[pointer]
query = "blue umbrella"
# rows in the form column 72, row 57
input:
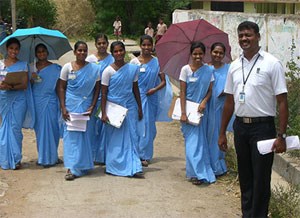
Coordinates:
column 56, row 42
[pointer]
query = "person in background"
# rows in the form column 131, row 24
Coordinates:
column 151, row 80
column 216, row 105
column 149, row 30
column 103, row 59
column 118, row 28
column 255, row 82
column 78, row 90
column 161, row 30
column 16, row 107
column 2, row 29
column 196, row 81
column 120, row 86
column 45, row 75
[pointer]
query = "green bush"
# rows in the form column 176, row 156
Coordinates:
column 285, row 202
column 293, row 84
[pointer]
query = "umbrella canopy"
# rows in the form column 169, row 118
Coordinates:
column 173, row 49
column 56, row 42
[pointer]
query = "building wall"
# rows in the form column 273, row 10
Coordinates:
column 277, row 31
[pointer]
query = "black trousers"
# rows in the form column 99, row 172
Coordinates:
column 254, row 169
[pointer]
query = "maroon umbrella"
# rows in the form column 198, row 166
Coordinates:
column 173, row 49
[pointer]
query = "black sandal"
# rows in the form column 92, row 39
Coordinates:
column 69, row 176
column 197, row 182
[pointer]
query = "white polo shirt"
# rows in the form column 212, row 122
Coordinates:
column 266, row 80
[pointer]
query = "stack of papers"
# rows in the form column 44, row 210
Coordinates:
column 115, row 113
column 77, row 122
column 192, row 113
column 265, row 146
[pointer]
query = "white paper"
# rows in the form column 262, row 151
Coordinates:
column 115, row 113
column 79, row 116
column 193, row 115
column 76, row 125
column 265, row 146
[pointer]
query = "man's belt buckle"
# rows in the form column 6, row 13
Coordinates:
column 247, row 120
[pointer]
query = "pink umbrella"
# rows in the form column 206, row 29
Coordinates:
column 173, row 49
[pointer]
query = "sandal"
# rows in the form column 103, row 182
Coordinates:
column 196, row 182
column 18, row 166
column 139, row 175
column 59, row 161
column 69, row 176
column 145, row 163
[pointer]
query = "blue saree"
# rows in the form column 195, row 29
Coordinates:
column 98, row 139
column 17, row 111
column 122, row 157
column 77, row 145
column 148, row 79
column 47, row 115
column 216, row 105
column 196, row 144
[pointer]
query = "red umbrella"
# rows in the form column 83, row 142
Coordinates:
column 173, row 49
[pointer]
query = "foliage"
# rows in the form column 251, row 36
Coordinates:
column 37, row 12
column 285, row 202
column 293, row 75
column 134, row 14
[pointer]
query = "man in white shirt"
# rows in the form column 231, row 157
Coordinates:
column 255, row 82
column 161, row 30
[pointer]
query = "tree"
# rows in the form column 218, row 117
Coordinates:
column 135, row 14
column 37, row 12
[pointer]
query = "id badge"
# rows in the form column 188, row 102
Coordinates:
column 142, row 69
column 242, row 97
column 193, row 79
column 72, row 75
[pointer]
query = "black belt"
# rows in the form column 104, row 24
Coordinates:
column 254, row 119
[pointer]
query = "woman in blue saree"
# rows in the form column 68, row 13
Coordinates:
column 103, row 59
column 196, row 86
column 151, row 80
column 78, row 90
column 216, row 104
column 16, row 104
column 44, row 78
column 120, row 86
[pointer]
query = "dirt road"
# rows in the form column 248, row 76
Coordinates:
column 35, row 191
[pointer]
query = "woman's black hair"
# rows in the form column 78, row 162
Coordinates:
column 101, row 36
column 197, row 45
column 13, row 41
column 213, row 46
column 79, row 43
column 116, row 43
column 144, row 37
column 40, row 45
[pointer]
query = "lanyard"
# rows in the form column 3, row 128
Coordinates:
column 244, row 81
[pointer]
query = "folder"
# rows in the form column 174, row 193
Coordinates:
column 265, row 146
column 194, row 117
column 77, row 122
column 115, row 113
column 15, row 78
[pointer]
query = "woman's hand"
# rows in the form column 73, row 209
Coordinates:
column 5, row 86
column 104, row 118
column 202, row 106
column 183, row 118
column 151, row 91
column 89, row 111
column 65, row 114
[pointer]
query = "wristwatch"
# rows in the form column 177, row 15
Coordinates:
column 282, row 135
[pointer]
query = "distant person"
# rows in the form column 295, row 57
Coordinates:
column 2, row 29
column 151, row 83
column 118, row 28
column 161, row 30
column 45, row 75
column 149, row 30
column 255, row 83
column 78, row 91
column 15, row 103
column 103, row 59
column 120, row 86
column 196, row 81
